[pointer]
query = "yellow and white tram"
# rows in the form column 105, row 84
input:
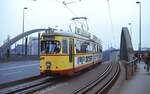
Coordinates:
column 65, row 53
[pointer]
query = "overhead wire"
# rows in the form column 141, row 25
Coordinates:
column 111, row 23
column 65, row 4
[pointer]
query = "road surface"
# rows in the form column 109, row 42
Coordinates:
column 12, row 71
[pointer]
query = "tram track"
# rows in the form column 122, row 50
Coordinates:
column 17, row 82
column 40, row 83
column 28, row 87
column 110, row 82
column 67, row 86
column 102, row 83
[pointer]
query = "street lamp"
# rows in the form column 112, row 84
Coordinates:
column 138, row 2
column 23, row 28
column 130, row 24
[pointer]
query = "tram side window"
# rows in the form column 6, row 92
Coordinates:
column 89, row 47
column 78, row 46
column 100, row 49
column 97, row 48
column 94, row 47
column 64, row 47
column 83, row 46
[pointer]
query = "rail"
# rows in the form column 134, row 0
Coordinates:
column 28, row 87
column 102, row 84
column 110, row 82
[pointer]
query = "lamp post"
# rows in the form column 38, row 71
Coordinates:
column 130, row 24
column 23, row 28
column 138, row 2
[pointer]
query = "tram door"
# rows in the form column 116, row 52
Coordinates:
column 71, row 51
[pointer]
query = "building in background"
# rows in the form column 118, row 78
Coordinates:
column 33, row 46
column 18, row 49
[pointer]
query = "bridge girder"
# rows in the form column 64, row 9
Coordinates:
column 6, row 45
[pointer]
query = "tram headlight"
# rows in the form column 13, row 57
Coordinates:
column 48, row 64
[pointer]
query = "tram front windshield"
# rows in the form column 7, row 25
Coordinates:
column 50, row 47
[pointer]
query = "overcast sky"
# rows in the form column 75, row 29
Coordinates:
column 49, row 13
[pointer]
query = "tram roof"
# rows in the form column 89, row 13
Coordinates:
column 67, row 34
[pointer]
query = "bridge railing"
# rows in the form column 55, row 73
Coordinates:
column 130, row 68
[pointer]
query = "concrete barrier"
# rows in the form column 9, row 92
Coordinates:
column 19, row 58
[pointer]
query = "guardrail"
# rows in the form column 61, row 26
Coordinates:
column 130, row 68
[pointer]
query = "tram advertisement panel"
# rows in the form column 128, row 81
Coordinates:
column 84, row 59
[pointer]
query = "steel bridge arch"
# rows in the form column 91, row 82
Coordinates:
column 6, row 45
column 126, row 48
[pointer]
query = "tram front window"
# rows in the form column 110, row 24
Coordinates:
column 50, row 47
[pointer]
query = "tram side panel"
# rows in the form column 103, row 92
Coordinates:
column 88, row 58
column 72, row 57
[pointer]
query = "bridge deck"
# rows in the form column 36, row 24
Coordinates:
column 139, row 84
